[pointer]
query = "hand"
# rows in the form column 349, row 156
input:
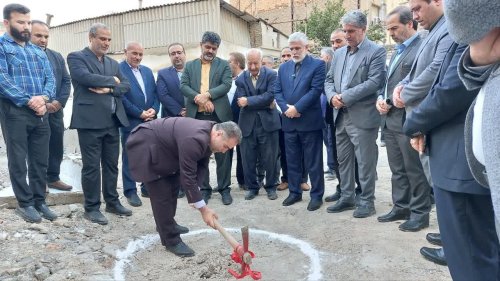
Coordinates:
column 51, row 108
column 292, row 112
column 336, row 101
column 117, row 80
column 144, row 115
column 100, row 91
column 242, row 102
column 209, row 106
column 382, row 107
column 201, row 99
column 40, row 111
column 487, row 50
column 396, row 97
column 418, row 143
column 209, row 216
column 183, row 112
column 273, row 105
column 57, row 105
column 36, row 102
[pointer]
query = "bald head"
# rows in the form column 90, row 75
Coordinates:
column 254, row 61
column 134, row 53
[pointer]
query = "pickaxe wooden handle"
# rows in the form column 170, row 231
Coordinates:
column 246, row 257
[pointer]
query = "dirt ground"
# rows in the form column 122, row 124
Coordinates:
column 290, row 243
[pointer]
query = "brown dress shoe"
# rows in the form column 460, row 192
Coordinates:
column 282, row 186
column 304, row 186
column 59, row 185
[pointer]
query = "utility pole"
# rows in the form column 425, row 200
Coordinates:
column 291, row 15
column 140, row 4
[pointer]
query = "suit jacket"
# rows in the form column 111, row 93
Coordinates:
column 169, row 92
column 394, row 119
column 91, row 110
column 427, row 62
column 303, row 91
column 168, row 147
column 62, row 78
column 441, row 116
column 364, row 83
column 219, row 84
column 259, row 99
column 133, row 100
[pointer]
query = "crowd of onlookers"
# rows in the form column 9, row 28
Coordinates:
column 439, row 84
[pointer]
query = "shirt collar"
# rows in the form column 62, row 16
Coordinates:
column 11, row 40
column 401, row 47
column 360, row 45
column 134, row 69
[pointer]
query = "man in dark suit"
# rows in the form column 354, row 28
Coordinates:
column 237, row 65
column 170, row 152
column 416, row 85
column 407, row 172
column 298, row 89
column 259, row 122
column 141, row 105
column 464, row 207
column 355, row 77
column 97, row 113
column 205, row 84
column 168, row 83
column 40, row 37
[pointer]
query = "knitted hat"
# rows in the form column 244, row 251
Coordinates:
column 471, row 20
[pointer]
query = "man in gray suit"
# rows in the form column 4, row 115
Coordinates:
column 407, row 172
column 356, row 76
column 416, row 85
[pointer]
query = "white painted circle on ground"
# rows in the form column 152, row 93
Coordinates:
column 123, row 256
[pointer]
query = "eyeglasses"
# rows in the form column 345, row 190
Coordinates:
column 286, row 56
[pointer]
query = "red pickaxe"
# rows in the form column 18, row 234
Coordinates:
column 241, row 254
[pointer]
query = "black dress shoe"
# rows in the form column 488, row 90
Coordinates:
column 364, row 211
column 206, row 196
column 144, row 193
column 96, row 217
column 45, row 212
column 340, row 206
column 271, row 194
column 414, row 225
column 291, row 199
column 434, row 238
column 434, row 255
column 29, row 214
column 314, row 204
column 134, row 200
column 181, row 250
column 181, row 229
column 394, row 215
column 181, row 193
column 251, row 194
column 118, row 209
column 227, row 199
column 332, row 198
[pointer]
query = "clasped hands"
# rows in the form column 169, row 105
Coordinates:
column 38, row 105
column 336, row 101
column 148, row 115
column 292, row 112
column 204, row 101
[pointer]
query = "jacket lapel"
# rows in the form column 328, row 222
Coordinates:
column 298, row 76
column 260, row 80
column 360, row 56
column 339, row 67
column 174, row 75
column 97, row 65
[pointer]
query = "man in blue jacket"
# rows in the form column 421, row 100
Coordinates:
column 141, row 105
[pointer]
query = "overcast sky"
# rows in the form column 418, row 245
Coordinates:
column 70, row 10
